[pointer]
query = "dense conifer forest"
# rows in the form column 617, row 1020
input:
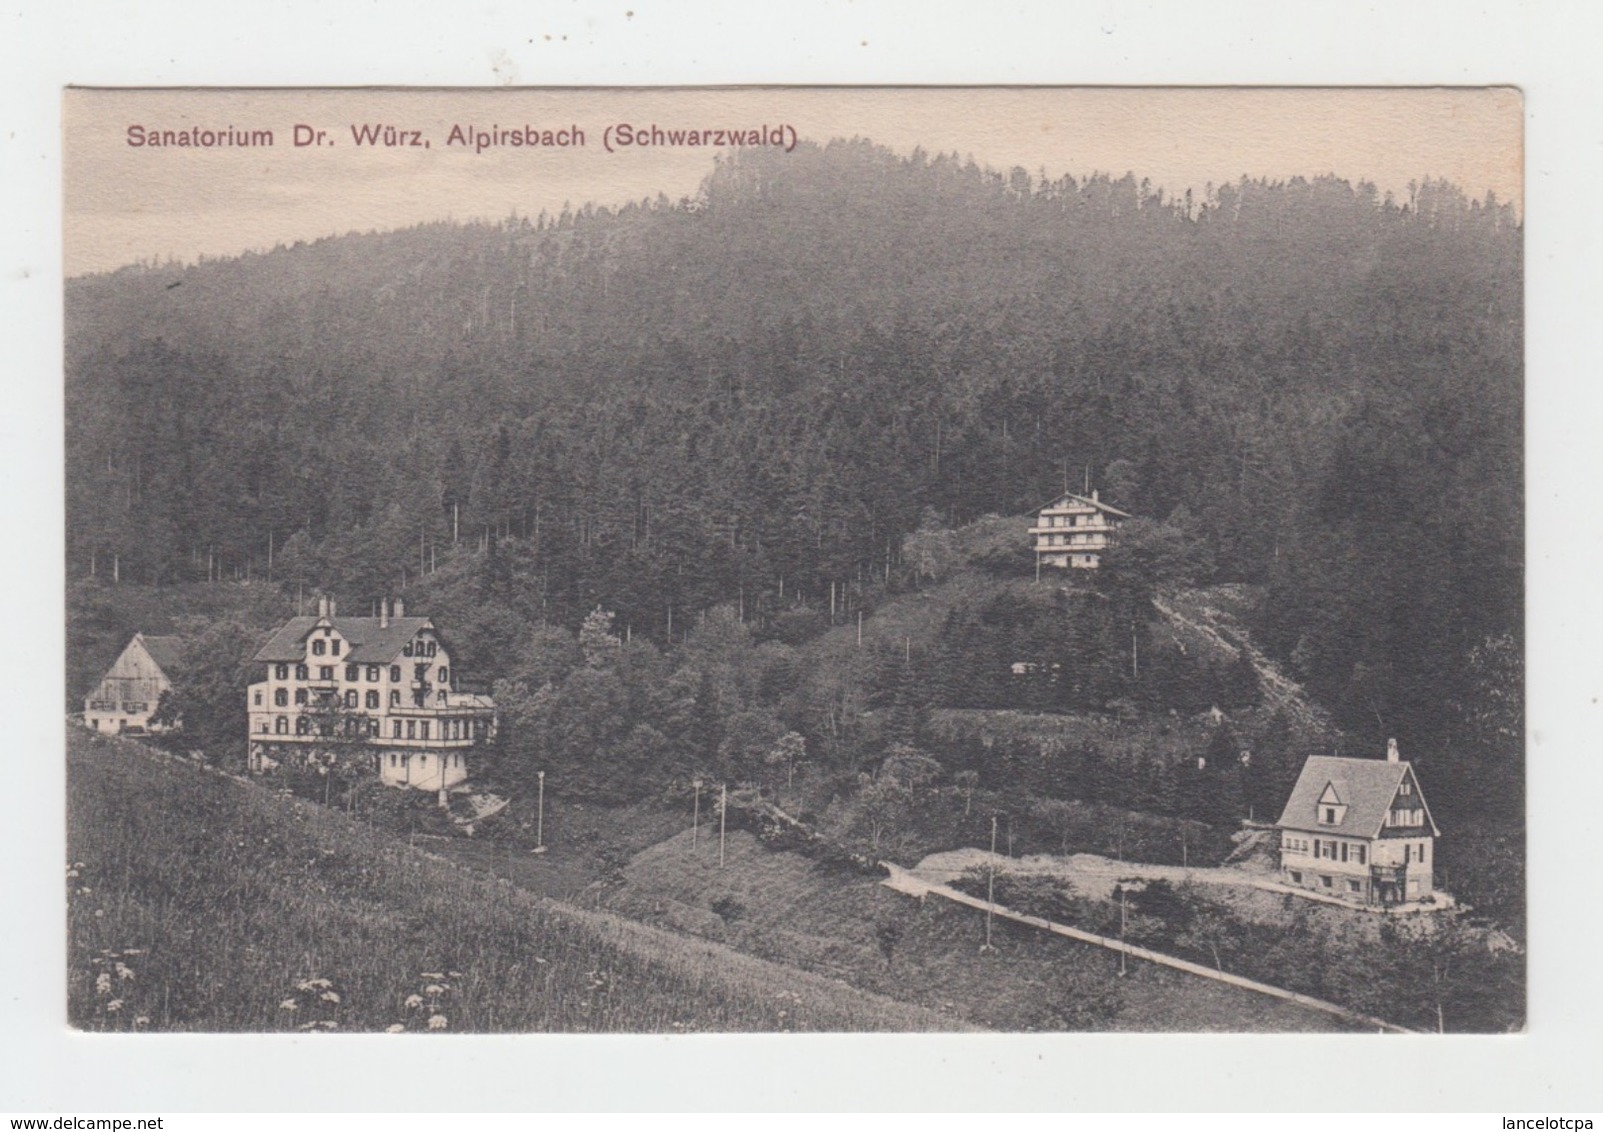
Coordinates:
column 737, row 421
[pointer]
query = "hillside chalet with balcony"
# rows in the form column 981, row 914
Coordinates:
column 380, row 688
column 1359, row 830
column 1073, row 531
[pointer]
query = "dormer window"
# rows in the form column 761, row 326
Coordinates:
column 1331, row 808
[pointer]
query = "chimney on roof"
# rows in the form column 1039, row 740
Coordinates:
column 1093, row 494
column 400, row 608
column 1391, row 751
column 322, row 607
column 384, row 613
column 331, row 607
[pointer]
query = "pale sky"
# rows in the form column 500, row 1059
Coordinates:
column 124, row 204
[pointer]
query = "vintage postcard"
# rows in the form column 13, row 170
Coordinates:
column 659, row 561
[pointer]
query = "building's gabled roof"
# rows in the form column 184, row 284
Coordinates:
column 1366, row 786
column 167, row 652
column 371, row 640
column 1059, row 499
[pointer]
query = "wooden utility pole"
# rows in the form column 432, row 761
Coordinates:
column 990, row 889
column 723, row 813
column 1122, row 948
column 539, row 814
column 695, row 815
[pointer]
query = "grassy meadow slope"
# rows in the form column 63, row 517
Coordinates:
column 782, row 905
column 198, row 903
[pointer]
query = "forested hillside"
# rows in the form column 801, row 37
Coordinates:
column 752, row 398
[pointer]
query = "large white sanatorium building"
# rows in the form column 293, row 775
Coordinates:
column 380, row 687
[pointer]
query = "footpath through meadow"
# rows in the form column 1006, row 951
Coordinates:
column 911, row 883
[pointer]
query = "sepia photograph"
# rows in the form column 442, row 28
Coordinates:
column 795, row 559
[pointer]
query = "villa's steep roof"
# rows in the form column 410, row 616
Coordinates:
column 371, row 639
column 1365, row 786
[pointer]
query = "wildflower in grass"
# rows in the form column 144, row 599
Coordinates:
column 434, row 990
column 432, row 975
column 124, row 972
column 413, row 1001
column 438, row 1022
column 100, row 913
column 102, row 983
column 142, row 1020
column 72, row 873
column 113, row 1006
column 395, row 1029
column 317, row 1001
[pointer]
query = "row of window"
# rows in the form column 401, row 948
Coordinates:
column 353, row 699
column 399, row 729
column 131, row 706
column 447, row 761
column 1329, row 850
column 1345, row 851
column 1071, row 521
column 1356, row 887
column 1405, row 817
column 331, row 647
column 353, row 672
